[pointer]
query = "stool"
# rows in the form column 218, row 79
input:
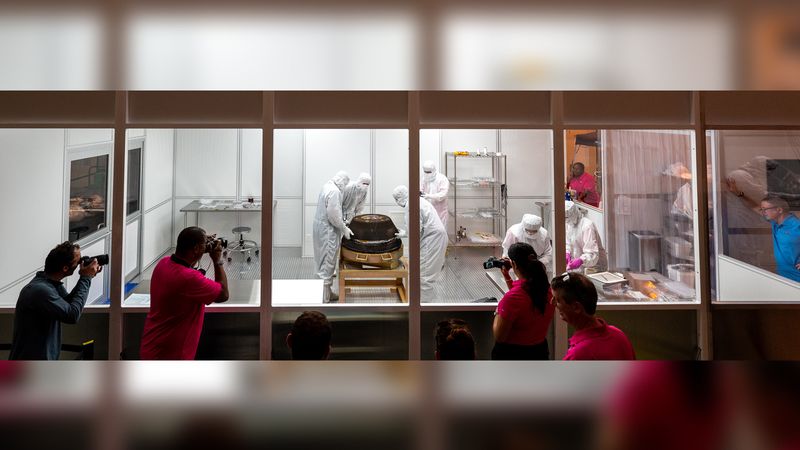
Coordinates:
column 242, row 245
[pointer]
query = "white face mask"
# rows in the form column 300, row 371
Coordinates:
column 430, row 176
column 531, row 233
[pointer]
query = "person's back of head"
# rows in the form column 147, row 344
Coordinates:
column 60, row 257
column 574, row 288
column 454, row 341
column 536, row 283
column 189, row 238
column 310, row 337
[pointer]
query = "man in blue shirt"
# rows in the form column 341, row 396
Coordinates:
column 785, row 236
column 44, row 304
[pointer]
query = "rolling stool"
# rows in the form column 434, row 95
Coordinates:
column 242, row 245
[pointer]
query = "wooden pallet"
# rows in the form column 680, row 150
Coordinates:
column 351, row 276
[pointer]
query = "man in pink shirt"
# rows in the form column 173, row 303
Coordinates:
column 583, row 186
column 575, row 298
column 179, row 294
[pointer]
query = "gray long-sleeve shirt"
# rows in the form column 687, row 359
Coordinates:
column 42, row 305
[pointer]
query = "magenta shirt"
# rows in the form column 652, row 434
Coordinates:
column 585, row 184
column 528, row 325
column 178, row 298
column 603, row 342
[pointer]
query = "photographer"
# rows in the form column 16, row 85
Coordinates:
column 524, row 313
column 44, row 304
column 179, row 294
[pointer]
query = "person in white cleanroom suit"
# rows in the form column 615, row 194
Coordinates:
column 434, row 187
column 329, row 227
column 354, row 197
column 432, row 241
column 530, row 231
column 584, row 248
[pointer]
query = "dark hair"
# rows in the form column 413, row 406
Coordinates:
column 454, row 340
column 579, row 164
column 311, row 336
column 536, row 283
column 60, row 256
column 574, row 287
column 189, row 238
column 776, row 201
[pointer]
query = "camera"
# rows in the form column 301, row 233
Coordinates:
column 496, row 263
column 102, row 260
column 211, row 242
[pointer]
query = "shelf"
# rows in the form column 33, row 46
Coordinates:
column 475, row 183
column 475, row 240
column 478, row 215
column 476, row 156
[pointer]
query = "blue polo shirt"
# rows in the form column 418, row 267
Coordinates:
column 786, row 245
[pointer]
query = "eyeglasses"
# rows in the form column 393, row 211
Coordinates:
column 767, row 209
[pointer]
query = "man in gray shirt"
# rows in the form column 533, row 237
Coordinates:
column 44, row 303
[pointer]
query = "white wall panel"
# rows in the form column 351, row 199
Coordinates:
column 329, row 151
column 135, row 133
column 470, row 140
column 742, row 282
column 429, row 148
column 287, row 230
column 391, row 163
column 98, row 288
column 131, row 247
column 156, row 233
column 32, row 184
column 288, row 163
column 83, row 136
column 158, row 163
column 11, row 294
column 251, row 163
column 206, row 163
column 529, row 161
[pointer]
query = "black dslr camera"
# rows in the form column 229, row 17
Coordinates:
column 496, row 263
column 102, row 260
column 211, row 242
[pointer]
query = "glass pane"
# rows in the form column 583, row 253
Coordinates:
column 354, row 336
column 62, row 170
column 206, row 178
column 480, row 186
column 755, row 177
column 640, row 247
column 326, row 182
column 585, row 167
column 134, row 180
column 88, row 189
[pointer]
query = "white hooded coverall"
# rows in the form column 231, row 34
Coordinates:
column 432, row 242
column 354, row 197
column 540, row 241
column 434, row 187
column 329, row 227
column 583, row 239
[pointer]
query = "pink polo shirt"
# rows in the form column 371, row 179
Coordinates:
column 603, row 342
column 585, row 184
column 178, row 299
column 528, row 325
